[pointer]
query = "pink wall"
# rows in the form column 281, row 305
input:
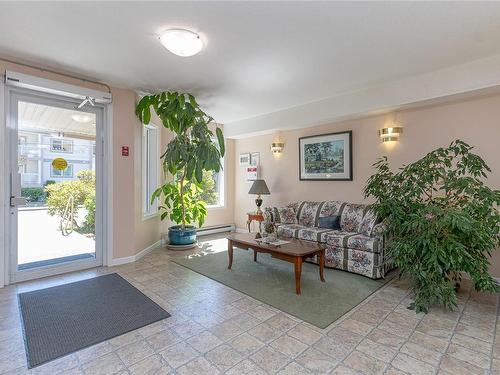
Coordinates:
column 131, row 234
column 474, row 121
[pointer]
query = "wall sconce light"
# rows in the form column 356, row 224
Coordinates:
column 277, row 147
column 390, row 134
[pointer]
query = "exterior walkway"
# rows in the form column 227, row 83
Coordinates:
column 40, row 238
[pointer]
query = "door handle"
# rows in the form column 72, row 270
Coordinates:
column 18, row 201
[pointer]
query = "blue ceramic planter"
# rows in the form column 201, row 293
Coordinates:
column 179, row 236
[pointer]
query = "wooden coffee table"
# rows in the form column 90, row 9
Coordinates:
column 295, row 251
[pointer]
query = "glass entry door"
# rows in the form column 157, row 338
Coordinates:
column 55, row 173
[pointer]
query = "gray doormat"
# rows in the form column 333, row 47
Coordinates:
column 66, row 318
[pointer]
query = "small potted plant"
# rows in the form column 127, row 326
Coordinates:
column 192, row 151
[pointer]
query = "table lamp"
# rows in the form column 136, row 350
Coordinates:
column 259, row 188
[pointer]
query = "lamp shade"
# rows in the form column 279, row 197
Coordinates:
column 259, row 187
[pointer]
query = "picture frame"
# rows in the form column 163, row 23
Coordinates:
column 245, row 159
column 326, row 157
column 255, row 158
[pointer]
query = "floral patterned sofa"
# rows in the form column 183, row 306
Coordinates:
column 358, row 246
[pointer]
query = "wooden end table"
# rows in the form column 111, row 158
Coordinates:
column 295, row 251
column 254, row 216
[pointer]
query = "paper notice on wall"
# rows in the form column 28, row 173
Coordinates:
column 252, row 173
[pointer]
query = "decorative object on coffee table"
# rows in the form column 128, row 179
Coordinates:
column 269, row 228
column 259, row 188
column 293, row 251
column 254, row 216
column 326, row 157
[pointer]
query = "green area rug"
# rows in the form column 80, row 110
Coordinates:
column 272, row 281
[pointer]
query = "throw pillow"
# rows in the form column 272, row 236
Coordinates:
column 268, row 214
column 368, row 223
column 330, row 222
column 284, row 215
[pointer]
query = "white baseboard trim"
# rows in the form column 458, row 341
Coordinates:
column 147, row 250
column 139, row 255
column 216, row 229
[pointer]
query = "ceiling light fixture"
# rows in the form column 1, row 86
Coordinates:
column 181, row 42
column 80, row 117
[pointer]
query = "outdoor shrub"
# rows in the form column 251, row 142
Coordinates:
column 442, row 221
column 208, row 194
column 81, row 190
column 89, row 204
column 33, row 194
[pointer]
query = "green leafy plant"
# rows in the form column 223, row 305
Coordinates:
column 81, row 190
column 33, row 194
column 442, row 221
column 188, row 154
column 208, row 194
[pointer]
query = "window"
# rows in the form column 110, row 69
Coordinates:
column 213, row 182
column 65, row 173
column 149, row 168
column 61, row 145
column 213, row 192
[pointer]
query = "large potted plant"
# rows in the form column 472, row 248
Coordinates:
column 442, row 222
column 191, row 151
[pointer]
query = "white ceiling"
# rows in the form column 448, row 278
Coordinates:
column 260, row 57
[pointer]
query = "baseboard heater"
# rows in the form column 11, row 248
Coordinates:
column 216, row 229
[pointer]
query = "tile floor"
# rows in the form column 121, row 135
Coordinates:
column 217, row 330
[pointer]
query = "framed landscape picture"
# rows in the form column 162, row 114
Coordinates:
column 326, row 157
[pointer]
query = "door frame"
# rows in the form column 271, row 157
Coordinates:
column 103, row 195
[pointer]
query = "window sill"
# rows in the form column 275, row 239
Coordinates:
column 149, row 216
column 216, row 207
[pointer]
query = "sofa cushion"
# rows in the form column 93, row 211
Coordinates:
column 379, row 229
column 338, row 238
column 351, row 240
column 268, row 214
column 289, row 230
column 313, row 234
column 357, row 261
column 294, row 206
column 284, row 215
column 331, row 208
column 352, row 216
column 365, row 243
column 308, row 213
column 368, row 222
